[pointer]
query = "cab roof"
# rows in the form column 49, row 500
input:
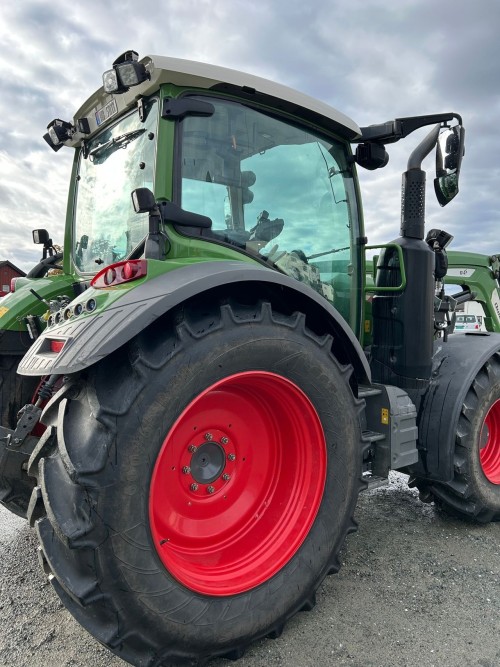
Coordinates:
column 188, row 73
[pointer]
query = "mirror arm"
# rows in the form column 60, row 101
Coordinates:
column 397, row 129
column 423, row 149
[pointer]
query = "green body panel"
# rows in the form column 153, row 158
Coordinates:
column 17, row 305
column 163, row 189
column 106, row 297
column 185, row 249
column 68, row 264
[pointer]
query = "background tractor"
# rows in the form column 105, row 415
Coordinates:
column 24, row 310
column 469, row 287
column 477, row 277
column 217, row 406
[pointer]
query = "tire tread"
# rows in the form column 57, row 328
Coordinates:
column 70, row 475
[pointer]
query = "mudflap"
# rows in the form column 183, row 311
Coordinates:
column 455, row 365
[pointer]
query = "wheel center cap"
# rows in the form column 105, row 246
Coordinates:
column 207, row 463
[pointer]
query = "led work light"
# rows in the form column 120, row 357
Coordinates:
column 59, row 131
column 126, row 72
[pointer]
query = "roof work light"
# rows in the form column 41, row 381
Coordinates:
column 126, row 72
column 59, row 131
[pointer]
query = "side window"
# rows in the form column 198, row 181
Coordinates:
column 275, row 190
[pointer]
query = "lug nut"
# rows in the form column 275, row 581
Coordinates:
column 208, row 436
column 186, row 470
column 210, row 489
column 224, row 440
column 226, row 477
column 231, row 457
column 194, row 486
column 192, row 448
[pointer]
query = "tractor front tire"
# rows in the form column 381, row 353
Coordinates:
column 474, row 492
column 196, row 487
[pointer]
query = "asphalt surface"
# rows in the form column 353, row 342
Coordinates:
column 416, row 588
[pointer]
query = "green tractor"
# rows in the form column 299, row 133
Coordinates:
column 49, row 285
column 215, row 411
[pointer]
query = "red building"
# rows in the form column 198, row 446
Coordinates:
column 7, row 272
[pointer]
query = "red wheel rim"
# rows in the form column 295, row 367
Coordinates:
column 489, row 443
column 238, row 483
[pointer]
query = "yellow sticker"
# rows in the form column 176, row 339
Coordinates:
column 384, row 416
column 368, row 326
column 3, row 310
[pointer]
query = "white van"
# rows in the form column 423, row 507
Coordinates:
column 466, row 323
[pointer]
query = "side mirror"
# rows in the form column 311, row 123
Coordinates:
column 143, row 200
column 449, row 153
column 41, row 236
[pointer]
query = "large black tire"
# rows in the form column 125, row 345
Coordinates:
column 99, row 474
column 474, row 492
column 15, row 391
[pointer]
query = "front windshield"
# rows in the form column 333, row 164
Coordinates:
column 119, row 160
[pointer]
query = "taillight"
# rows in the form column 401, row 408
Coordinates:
column 13, row 282
column 121, row 272
column 56, row 345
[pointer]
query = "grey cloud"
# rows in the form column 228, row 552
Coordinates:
column 372, row 59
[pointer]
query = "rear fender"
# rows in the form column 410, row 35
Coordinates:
column 92, row 338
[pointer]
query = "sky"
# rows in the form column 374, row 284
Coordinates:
column 374, row 60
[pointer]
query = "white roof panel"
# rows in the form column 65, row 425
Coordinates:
column 202, row 75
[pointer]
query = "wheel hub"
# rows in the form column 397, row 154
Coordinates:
column 207, row 463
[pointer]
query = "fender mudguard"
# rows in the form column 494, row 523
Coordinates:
column 91, row 338
column 455, row 365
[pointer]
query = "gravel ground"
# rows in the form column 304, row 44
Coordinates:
column 416, row 587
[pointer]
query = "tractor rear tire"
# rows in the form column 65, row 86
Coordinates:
column 15, row 392
column 474, row 492
column 196, row 487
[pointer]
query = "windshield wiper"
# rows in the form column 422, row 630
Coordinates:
column 100, row 153
column 327, row 252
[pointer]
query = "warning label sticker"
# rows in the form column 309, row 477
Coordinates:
column 464, row 273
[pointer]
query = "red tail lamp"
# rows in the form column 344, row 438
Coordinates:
column 121, row 272
column 56, row 345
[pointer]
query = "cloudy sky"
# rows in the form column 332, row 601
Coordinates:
column 372, row 59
